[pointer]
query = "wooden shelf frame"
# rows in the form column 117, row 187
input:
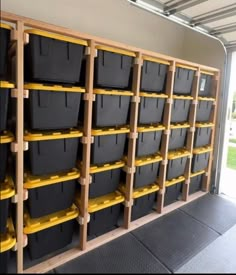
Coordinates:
column 20, row 23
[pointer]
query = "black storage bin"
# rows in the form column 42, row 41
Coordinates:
column 173, row 193
column 5, row 139
column 205, row 86
column 200, row 159
column 7, row 191
column 4, row 99
column 113, row 68
column 178, row 136
column 50, row 194
column 109, row 145
column 176, row 164
column 51, row 153
column 5, row 31
column 147, row 170
column 195, row 183
column 153, row 76
column 183, row 81
column 151, row 108
column 149, row 140
column 52, row 107
column 144, row 199
column 49, row 233
column 105, row 179
column 53, row 58
column 104, row 213
column 180, row 109
column 111, row 108
column 7, row 242
column 204, row 108
column 202, row 136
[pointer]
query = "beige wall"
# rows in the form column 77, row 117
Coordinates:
column 202, row 49
column 113, row 19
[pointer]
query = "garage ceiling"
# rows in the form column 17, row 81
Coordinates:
column 214, row 17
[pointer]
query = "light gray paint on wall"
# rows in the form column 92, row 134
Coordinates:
column 112, row 19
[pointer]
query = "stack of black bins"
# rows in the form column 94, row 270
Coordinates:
column 53, row 72
column 204, row 125
column 177, row 153
column 150, row 129
column 112, row 89
column 7, row 190
column 7, row 236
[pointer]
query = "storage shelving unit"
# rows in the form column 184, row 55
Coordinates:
column 20, row 145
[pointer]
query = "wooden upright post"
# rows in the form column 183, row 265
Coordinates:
column 190, row 136
column 86, row 140
column 132, row 140
column 165, row 136
column 19, row 140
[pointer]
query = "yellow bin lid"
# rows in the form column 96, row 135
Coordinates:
column 197, row 173
column 8, row 239
column 5, row 26
column 57, row 36
column 174, row 181
column 112, row 92
column 204, row 125
column 53, row 88
column 115, row 50
column 39, row 136
column 178, row 154
column 202, row 150
column 110, row 131
column 35, row 225
column 6, row 137
column 6, row 84
column 141, row 191
column 148, row 160
column 7, row 189
column 155, row 95
column 151, row 128
column 106, row 167
column 31, row 182
column 102, row 202
column 179, row 126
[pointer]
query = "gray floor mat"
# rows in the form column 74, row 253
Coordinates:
column 218, row 257
column 214, row 211
column 175, row 238
column 123, row 255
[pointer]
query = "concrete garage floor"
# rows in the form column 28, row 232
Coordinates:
column 198, row 238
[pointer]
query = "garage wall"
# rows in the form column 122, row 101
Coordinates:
column 112, row 19
column 202, row 49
